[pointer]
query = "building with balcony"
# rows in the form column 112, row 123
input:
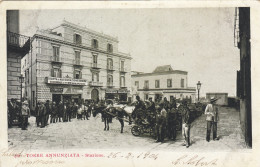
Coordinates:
column 17, row 47
column 73, row 62
column 163, row 82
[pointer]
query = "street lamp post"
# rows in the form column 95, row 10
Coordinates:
column 198, row 87
column 21, row 80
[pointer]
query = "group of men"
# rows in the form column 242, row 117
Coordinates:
column 19, row 112
column 166, row 118
column 61, row 112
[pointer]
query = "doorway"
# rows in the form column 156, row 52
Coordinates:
column 94, row 95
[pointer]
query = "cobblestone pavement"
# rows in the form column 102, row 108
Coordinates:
column 84, row 134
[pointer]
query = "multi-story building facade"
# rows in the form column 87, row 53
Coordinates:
column 17, row 47
column 163, row 82
column 73, row 62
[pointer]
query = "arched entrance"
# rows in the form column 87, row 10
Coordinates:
column 94, row 95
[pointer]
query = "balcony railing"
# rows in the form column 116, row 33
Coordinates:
column 110, row 84
column 96, row 83
column 77, row 62
column 17, row 39
column 56, row 59
column 110, row 68
column 122, row 69
column 95, row 65
column 146, row 87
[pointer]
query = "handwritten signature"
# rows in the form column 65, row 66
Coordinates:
column 194, row 161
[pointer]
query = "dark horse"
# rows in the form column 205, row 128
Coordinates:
column 108, row 114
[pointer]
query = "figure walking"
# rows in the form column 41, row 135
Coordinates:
column 212, row 118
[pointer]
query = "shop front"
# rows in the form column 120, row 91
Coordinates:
column 66, row 89
column 120, row 94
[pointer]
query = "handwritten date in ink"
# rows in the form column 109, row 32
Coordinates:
column 131, row 155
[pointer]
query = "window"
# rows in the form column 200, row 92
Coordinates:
column 77, row 74
column 77, row 39
column 146, row 84
column 94, row 43
column 110, row 80
column 169, row 83
column 146, row 96
column 110, row 48
column 56, row 53
column 28, row 78
column 157, row 83
column 77, row 57
column 137, row 84
column 122, row 81
column 122, row 67
column 95, row 77
column 182, row 83
column 109, row 64
column 56, row 72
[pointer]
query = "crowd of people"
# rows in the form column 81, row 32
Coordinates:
column 48, row 112
column 164, row 113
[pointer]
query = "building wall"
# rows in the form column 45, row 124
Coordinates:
column 175, row 91
column 43, row 52
column 13, row 73
column 176, row 80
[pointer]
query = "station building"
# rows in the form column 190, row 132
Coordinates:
column 73, row 62
column 163, row 82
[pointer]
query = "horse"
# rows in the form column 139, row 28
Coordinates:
column 108, row 113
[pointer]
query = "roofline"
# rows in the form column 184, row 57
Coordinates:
column 80, row 28
column 160, row 73
column 79, row 46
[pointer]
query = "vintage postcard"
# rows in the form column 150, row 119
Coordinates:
column 129, row 84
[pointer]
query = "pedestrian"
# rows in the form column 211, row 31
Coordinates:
column 161, row 123
column 212, row 118
column 171, row 123
column 54, row 111
column 65, row 114
column 48, row 111
column 25, row 113
column 60, row 111
column 37, row 114
column 69, row 111
column 75, row 109
column 79, row 112
column 42, row 113
column 186, row 123
column 12, row 107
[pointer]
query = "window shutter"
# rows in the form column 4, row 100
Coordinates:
column 60, row 73
column 52, row 72
column 74, row 74
column 80, row 75
column 97, row 77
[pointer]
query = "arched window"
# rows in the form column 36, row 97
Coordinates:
column 122, row 81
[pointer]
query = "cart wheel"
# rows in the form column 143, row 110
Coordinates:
column 136, row 131
column 178, row 125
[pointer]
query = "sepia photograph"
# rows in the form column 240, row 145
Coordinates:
column 154, row 80
column 169, row 79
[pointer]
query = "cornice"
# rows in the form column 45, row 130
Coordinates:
column 79, row 46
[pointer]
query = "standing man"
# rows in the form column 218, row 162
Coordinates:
column 38, row 114
column 12, row 110
column 161, row 123
column 54, row 111
column 186, row 121
column 171, row 123
column 212, row 118
column 48, row 111
column 60, row 111
column 139, row 107
column 42, row 112
column 25, row 114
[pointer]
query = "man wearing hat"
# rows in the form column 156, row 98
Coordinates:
column 212, row 118
column 25, row 114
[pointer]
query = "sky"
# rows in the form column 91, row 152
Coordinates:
column 197, row 40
